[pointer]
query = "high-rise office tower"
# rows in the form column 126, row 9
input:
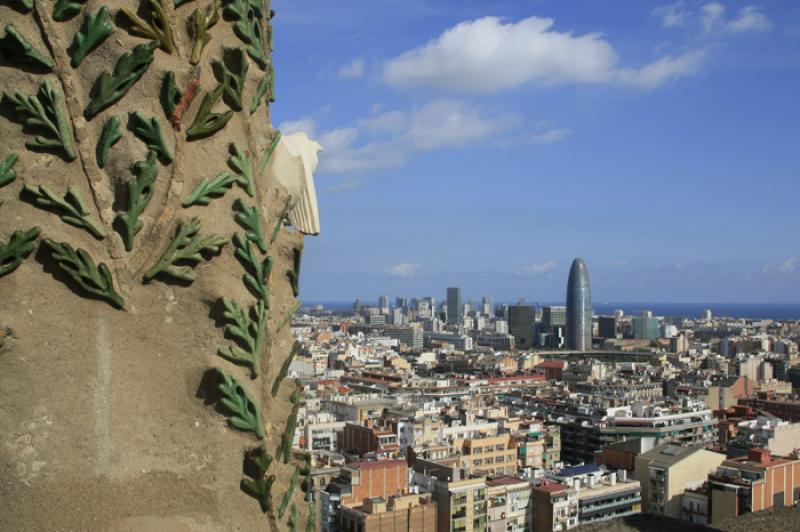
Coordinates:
column 455, row 309
column 383, row 304
column 521, row 319
column 487, row 306
column 579, row 308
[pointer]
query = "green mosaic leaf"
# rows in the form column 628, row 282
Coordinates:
column 19, row 246
column 7, row 173
column 249, row 329
column 199, row 24
column 95, row 279
column 149, row 132
column 187, row 246
column 71, row 208
column 285, row 448
column 259, row 486
column 207, row 190
column 66, row 9
column 276, row 384
column 262, row 165
column 311, row 522
column 94, row 31
column 257, row 272
column 287, row 495
column 250, row 220
column 206, row 122
column 140, row 192
column 294, row 273
column 110, row 87
column 246, row 412
column 23, row 6
column 243, row 166
column 265, row 87
column 170, row 94
column 17, row 48
column 179, row 3
column 292, row 521
column 232, row 80
column 248, row 28
column 109, row 136
column 158, row 29
column 45, row 111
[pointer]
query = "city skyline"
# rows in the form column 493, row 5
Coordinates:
column 673, row 147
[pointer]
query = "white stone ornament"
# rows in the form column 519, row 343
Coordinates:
column 293, row 164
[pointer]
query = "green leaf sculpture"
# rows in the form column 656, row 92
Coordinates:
column 243, row 166
column 287, row 317
column 246, row 412
column 71, row 208
column 249, row 329
column 7, row 173
column 256, row 276
column 149, row 131
column 206, row 122
column 170, row 94
column 282, row 218
column 23, row 6
column 94, row 31
column 110, row 87
column 250, row 220
column 287, row 438
column 66, row 9
column 207, row 190
column 17, row 48
column 294, row 273
column 276, row 384
column 140, row 192
column 45, row 110
column 179, row 3
column 266, row 85
column 259, row 486
column 232, row 80
column 199, row 24
column 19, row 246
column 108, row 137
column 158, row 30
column 287, row 495
column 95, row 279
column 276, row 138
column 248, row 28
column 292, row 521
column 187, row 246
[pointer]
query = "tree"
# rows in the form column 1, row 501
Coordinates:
column 149, row 267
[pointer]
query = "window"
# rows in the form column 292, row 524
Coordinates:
column 477, row 450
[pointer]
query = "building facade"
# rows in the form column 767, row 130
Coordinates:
column 579, row 307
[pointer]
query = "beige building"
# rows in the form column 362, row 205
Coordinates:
column 462, row 503
column 668, row 470
column 509, row 501
column 780, row 437
column 402, row 513
column 492, row 455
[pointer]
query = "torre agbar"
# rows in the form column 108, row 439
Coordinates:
column 579, row 307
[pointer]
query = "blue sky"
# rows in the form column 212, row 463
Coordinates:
column 487, row 144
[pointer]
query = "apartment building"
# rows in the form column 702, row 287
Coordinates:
column 753, row 483
column 493, row 455
column 509, row 504
column 554, row 507
column 401, row 513
column 601, row 494
column 668, row 470
column 462, row 503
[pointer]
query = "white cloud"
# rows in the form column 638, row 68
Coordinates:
column 405, row 269
column 672, row 15
column 549, row 137
column 666, row 69
column 352, row 70
column 786, row 267
column 387, row 139
column 347, row 185
column 306, row 125
column 750, row 19
column 490, row 54
column 711, row 14
column 540, row 268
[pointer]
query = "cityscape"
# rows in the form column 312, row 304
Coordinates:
column 454, row 415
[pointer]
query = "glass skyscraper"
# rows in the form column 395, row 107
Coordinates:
column 579, row 308
column 455, row 309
